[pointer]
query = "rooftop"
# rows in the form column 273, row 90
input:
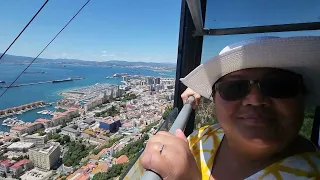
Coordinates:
column 82, row 176
column 87, row 131
column 63, row 114
column 18, row 128
column 32, row 124
column 21, row 145
column 41, row 120
column 122, row 159
column 102, row 167
column 35, row 174
column 127, row 124
column 6, row 162
column 20, row 163
column 69, row 129
column 48, row 149
column 22, row 127
column 89, row 121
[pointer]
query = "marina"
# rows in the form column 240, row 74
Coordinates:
column 45, row 112
column 12, row 122
column 23, row 108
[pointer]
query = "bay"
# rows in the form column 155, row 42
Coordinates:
column 49, row 92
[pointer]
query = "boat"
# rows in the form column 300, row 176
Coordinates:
column 62, row 80
column 4, row 123
column 39, row 112
column 120, row 74
column 45, row 112
column 12, row 121
column 2, row 82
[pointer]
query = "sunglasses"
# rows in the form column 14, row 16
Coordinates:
column 280, row 88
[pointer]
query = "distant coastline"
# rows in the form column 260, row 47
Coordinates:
column 22, row 60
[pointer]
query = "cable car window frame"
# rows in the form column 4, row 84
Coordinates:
column 190, row 50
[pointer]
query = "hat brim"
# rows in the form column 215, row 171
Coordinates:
column 297, row 54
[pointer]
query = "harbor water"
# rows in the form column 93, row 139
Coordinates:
column 50, row 92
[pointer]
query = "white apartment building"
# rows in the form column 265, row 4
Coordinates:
column 46, row 157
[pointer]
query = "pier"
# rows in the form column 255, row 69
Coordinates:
column 43, row 82
column 23, row 108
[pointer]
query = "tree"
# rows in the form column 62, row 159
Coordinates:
column 15, row 139
column 18, row 158
column 131, row 149
column 109, row 144
column 306, row 128
column 150, row 126
column 3, row 175
column 65, row 139
column 166, row 112
column 75, row 153
column 114, row 171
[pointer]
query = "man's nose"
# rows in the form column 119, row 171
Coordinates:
column 255, row 97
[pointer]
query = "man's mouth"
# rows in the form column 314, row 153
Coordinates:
column 254, row 119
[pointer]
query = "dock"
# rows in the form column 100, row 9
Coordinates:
column 23, row 108
column 43, row 82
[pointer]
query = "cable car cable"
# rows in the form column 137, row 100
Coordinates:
column 24, row 29
column 44, row 48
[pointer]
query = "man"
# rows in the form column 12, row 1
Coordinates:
column 260, row 88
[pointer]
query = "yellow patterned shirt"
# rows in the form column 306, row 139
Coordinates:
column 205, row 142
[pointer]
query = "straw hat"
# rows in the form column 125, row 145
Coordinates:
column 297, row 54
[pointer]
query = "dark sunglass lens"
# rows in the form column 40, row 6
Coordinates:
column 233, row 90
column 280, row 87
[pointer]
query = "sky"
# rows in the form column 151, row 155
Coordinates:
column 132, row 30
column 235, row 13
column 137, row 30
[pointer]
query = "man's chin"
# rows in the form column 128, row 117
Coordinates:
column 258, row 143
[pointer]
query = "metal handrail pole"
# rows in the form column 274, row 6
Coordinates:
column 179, row 123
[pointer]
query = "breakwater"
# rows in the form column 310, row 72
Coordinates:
column 42, row 82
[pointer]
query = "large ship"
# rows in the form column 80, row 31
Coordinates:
column 62, row 80
column 2, row 81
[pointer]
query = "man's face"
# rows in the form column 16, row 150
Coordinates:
column 254, row 118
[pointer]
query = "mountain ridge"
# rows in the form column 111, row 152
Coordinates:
column 14, row 59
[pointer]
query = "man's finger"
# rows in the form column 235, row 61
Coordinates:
column 158, row 162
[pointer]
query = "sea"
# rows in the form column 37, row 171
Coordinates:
column 50, row 92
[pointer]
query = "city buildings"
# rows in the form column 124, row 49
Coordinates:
column 110, row 124
column 36, row 174
column 19, row 167
column 153, row 95
column 20, row 146
column 13, row 168
column 5, row 165
column 37, row 140
column 27, row 128
column 46, row 122
column 122, row 159
column 69, row 131
column 46, row 157
column 60, row 118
